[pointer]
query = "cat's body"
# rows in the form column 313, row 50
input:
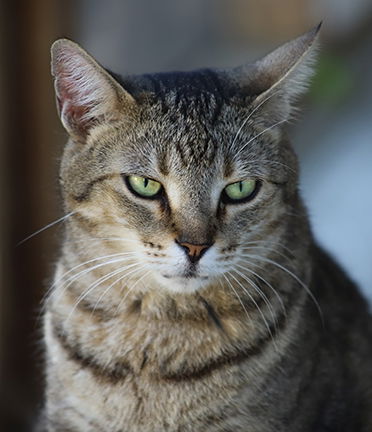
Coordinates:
column 191, row 309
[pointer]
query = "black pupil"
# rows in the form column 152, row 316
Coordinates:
column 146, row 182
column 240, row 186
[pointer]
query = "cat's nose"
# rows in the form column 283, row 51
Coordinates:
column 194, row 251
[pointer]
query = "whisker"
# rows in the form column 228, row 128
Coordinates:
column 259, row 134
column 76, row 276
column 61, row 219
column 295, row 277
column 237, row 295
column 95, row 285
column 250, row 116
column 132, row 287
column 90, row 261
column 270, row 162
column 270, row 242
column 261, row 294
column 258, row 308
column 248, row 248
column 71, row 279
column 254, row 247
column 56, row 282
column 268, row 284
column 114, row 283
column 98, row 239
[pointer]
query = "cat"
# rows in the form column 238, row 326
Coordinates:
column 190, row 294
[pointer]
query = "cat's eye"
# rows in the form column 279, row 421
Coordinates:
column 143, row 186
column 241, row 191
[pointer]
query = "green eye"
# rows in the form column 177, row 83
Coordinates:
column 143, row 186
column 240, row 190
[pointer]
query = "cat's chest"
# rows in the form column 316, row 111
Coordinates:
column 152, row 380
column 141, row 402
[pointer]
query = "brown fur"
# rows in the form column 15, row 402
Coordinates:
column 261, row 333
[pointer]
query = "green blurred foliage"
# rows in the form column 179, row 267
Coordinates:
column 333, row 82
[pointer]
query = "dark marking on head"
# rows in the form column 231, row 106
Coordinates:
column 163, row 166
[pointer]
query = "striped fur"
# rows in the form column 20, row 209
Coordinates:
column 265, row 332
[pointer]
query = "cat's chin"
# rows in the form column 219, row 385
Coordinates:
column 182, row 284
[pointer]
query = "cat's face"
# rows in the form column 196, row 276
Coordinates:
column 203, row 189
column 186, row 178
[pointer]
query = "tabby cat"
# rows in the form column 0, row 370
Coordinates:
column 190, row 294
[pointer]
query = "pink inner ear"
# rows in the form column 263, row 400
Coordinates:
column 76, row 118
column 73, row 103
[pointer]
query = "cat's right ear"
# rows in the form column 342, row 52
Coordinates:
column 86, row 93
column 280, row 77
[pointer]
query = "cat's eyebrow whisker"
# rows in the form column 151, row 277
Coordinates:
column 57, row 221
column 255, row 161
column 267, row 283
column 260, row 292
column 259, row 134
column 295, row 277
column 245, row 121
column 255, row 303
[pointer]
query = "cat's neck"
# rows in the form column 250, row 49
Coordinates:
column 154, row 328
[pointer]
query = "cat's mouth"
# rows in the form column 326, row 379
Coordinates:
column 185, row 282
column 186, row 275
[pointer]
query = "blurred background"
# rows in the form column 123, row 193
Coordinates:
column 333, row 135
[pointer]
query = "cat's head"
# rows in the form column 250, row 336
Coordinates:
column 189, row 172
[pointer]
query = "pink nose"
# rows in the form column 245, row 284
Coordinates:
column 194, row 252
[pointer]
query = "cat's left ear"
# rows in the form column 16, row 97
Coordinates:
column 87, row 95
column 277, row 79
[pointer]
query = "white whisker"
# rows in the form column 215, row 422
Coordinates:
column 269, row 161
column 295, row 277
column 250, row 116
column 258, row 308
column 259, row 134
column 70, row 280
column 99, row 239
column 237, row 295
column 95, row 285
column 63, row 218
column 269, row 242
column 260, row 292
column 90, row 261
column 60, row 279
column 115, row 282
column 132, row 287
column 267, row 283
column 248, row 248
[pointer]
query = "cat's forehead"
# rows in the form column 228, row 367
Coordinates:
column 181, row 126
column 188, row 127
